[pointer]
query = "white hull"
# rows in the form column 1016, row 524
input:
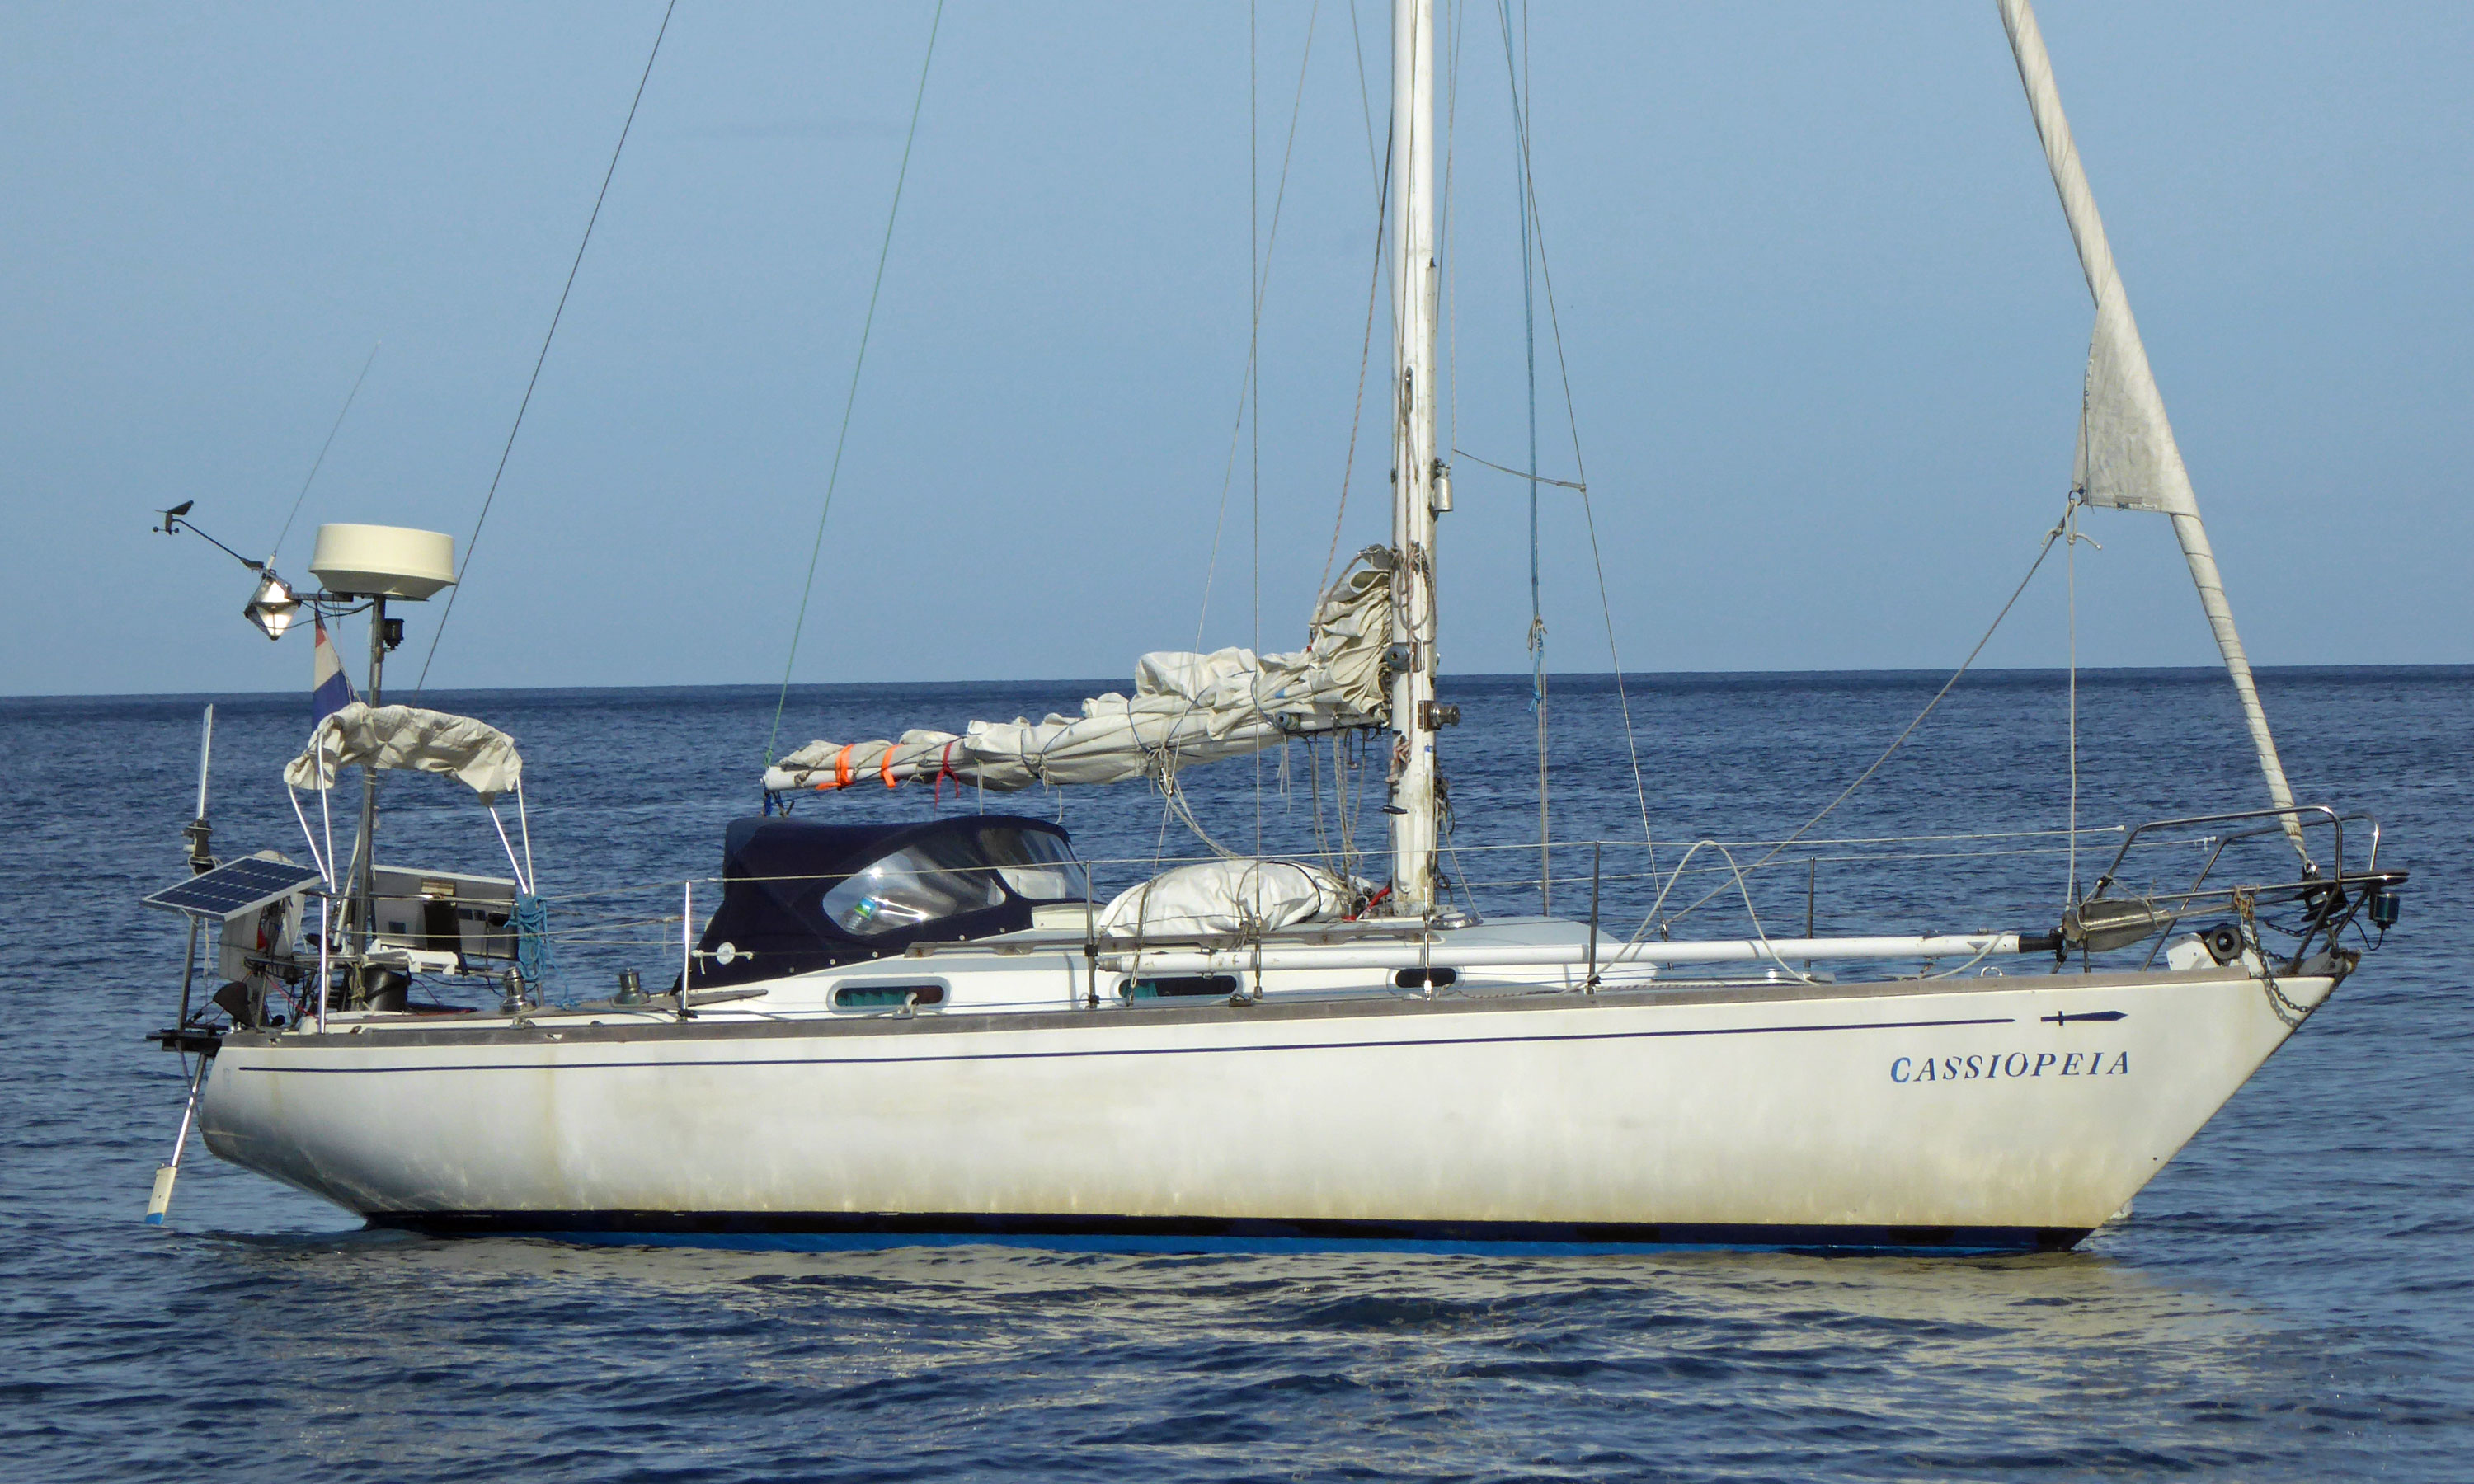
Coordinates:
column 1253, row 1074
column 1789, row 1113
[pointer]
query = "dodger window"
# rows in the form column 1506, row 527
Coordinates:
column 1039, row 866
column 905, row 889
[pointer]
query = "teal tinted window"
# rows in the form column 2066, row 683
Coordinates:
column 886, row 997
column 1178, row 987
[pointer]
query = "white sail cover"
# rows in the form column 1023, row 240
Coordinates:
column 1244, row 895
column 475, row 754
column 1187, row 708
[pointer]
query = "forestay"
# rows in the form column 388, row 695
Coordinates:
column 2126, row 457
column 1185, row 709
column 474, row 752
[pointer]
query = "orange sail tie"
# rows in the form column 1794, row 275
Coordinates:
column 841, row 768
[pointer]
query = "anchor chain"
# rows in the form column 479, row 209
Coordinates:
column 2284, row 1007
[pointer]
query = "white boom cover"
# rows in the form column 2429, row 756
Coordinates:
column 1243, row 895
column 475, row 754
column 2126, row 457
column 1187, row 708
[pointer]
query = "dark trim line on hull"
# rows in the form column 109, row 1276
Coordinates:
column 1203, row 1234
column 1115, row 1051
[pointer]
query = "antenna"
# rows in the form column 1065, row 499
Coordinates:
column 378, row 562
column 202, row 859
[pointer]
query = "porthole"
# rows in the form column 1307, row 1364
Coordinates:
column 887, row 996
column 1178, row 987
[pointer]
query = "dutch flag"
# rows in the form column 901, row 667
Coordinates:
column 331, row 689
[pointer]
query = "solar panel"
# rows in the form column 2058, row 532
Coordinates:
column 236, row 886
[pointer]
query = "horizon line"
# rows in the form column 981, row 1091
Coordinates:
column 1087, row 683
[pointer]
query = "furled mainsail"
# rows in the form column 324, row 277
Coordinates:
column 1187, row 708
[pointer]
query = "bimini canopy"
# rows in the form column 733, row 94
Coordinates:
column 1187, row 708
column 475, row 754
column 798, row 895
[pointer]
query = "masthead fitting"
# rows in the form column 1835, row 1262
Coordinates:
column 383, row 562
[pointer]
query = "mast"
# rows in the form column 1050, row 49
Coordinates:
column 2127, row 458
column 1416, row 463
column 365, row 872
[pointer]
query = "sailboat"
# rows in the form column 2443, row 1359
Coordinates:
column 938, row 1031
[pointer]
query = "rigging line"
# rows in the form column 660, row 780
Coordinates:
column 1184, row 806
column 1612, row 877
column 850, row 397
column 1581, row 483
column 1458, row 16
column 1357, row 408
column 319, row 461
column 1528, row 474
column 1254, row 331
column 1314, row 788
column 1375, row 165
column 1515, row 75
column 1623, row 701
column 1260, row 285
column 1345, row 738
column 1869, row 840
column 2071, row 538
column 473, row 542
column 1255, row 392
column 2050, row 536
column 2071, row 565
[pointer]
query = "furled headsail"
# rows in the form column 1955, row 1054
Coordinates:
column 2126, row 457
column 1185, row 709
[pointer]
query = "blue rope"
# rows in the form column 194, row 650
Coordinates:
column 534, row 959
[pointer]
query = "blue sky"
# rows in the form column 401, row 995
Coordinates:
column 1822, row 318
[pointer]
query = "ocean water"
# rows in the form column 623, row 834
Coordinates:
column 2291, row 1299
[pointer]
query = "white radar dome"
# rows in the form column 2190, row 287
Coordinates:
column 383, row 562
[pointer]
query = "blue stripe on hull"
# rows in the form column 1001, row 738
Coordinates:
column 822, row 1231
column 1233, row 1048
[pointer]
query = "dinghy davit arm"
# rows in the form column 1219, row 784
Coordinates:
column 2127, row 458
